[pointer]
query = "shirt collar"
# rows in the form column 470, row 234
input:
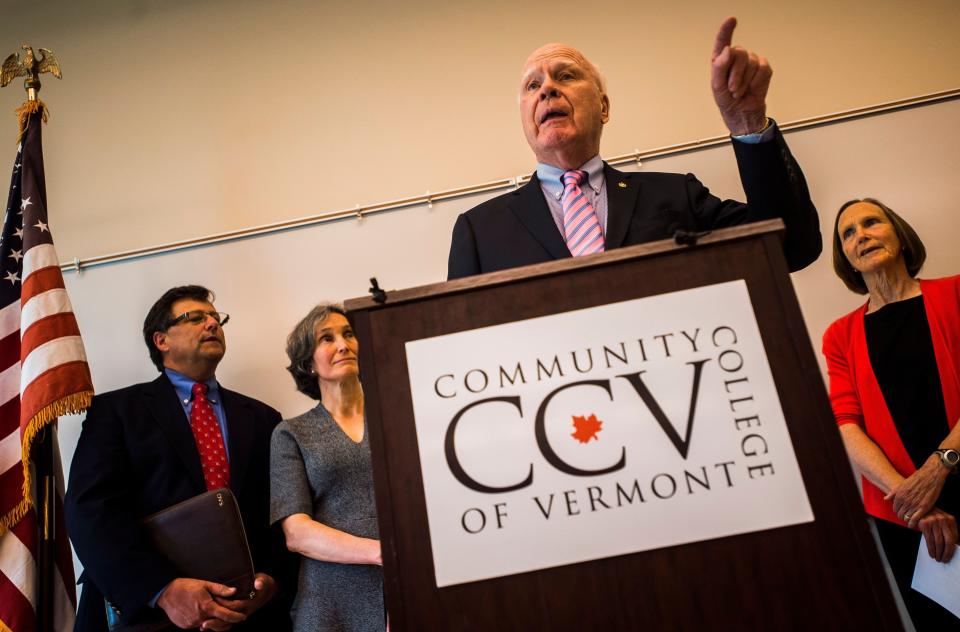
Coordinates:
column 183, row 385
column 549, row 176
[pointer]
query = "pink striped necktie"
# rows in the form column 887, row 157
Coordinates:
column 206, row 432
column 581, row 228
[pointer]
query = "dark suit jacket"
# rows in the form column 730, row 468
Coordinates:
column 516, row 229
column 136, row 455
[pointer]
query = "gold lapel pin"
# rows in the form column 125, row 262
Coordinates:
column 622, row 184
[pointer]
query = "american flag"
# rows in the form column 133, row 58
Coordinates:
column 43, row 374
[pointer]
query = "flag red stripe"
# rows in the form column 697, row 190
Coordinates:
column 11, row 487
column 15, row 610
column 9, row 419
column 66, row 379
column 10, row 350
column 40, row 281
column 47, row 329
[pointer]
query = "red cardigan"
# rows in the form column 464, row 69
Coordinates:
column 855, row 394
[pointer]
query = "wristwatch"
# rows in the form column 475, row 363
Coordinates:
column 949, row 459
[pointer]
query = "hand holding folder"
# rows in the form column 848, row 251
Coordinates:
column 204, row 538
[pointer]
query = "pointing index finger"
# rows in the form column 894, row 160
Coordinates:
column 724, row 36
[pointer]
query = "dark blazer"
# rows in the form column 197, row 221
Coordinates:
column 517, row 229
column 136, row 455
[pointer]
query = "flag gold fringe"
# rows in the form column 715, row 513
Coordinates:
column 4, row 627
column 23, row 117
column 68, row 405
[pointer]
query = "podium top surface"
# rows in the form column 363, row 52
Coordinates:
column 395, row 297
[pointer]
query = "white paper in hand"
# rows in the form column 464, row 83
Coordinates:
column 940, row 582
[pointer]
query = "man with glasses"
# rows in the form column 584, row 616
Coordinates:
column 149, row 446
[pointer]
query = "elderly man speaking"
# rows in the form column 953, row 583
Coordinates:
column 576, row 205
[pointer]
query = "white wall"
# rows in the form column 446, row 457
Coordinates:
column 181, row 118
column 178, row 119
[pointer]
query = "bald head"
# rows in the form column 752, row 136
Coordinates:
column 563, row 106
column 555, row 49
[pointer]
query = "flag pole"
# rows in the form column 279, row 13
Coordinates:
column 45, row 478
column 46, row 508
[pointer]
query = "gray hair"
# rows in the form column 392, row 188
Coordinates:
column 302, row 342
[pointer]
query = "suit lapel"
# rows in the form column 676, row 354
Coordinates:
column 169, row 414
column 240, row 431
column 622, row 192
column 530, row 207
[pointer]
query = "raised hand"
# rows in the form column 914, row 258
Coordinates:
column 739, row 79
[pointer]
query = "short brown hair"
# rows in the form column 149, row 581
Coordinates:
column 914, row 253
column 302, row 342
column 161, row 313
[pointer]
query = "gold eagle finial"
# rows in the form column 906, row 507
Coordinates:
column 30, row 67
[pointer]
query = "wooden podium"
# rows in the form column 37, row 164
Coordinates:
column 825, row 574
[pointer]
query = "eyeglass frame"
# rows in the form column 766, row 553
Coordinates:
column 222, row 318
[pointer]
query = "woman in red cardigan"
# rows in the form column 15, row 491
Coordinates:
column 894, row 387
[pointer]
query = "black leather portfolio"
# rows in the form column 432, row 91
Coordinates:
column 203, row 537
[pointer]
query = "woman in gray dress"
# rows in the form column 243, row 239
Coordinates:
column 321, row 483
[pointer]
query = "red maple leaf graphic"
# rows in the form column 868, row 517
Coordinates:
column 586, row 428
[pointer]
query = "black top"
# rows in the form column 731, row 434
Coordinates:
column 904, row 363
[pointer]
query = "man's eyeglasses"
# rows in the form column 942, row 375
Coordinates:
column 197, row 317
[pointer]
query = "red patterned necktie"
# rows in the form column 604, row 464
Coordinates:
column 581, row 228
column 206, row 432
